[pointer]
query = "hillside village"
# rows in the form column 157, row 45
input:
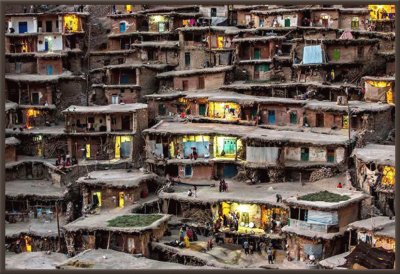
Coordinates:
column 180, row 137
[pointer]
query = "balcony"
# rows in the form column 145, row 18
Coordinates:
column 313, row 227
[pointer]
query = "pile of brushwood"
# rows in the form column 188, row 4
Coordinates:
column 324, row 196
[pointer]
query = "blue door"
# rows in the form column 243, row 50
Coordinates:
column 122, row 27
column 46, row 45
column 49, row 70
column 124, row 79
column 230, row 171
column 271, row 117
column 22, row 27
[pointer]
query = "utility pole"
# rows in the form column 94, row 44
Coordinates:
column 58, row 228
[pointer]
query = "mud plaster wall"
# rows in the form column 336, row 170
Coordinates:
column 200, row 172
column 28, row 170
column 71, row 92
column 211, row 81
column 42, row 64
column 10, row 154
column 345, row 21
column 129, row 95
column 98, row 61
column 29, row 67
column 295, row 19
column 330, row 119
column 147, row 81
column 349, row 214
column 282, row 114
column 333, row 18
column 99, row 24
column 198, row 57
column 130, row 24
column 262, row 75
column 390, row 68
column 110, row 196
column 320, row 35
column 348, row 53
column 292, row 153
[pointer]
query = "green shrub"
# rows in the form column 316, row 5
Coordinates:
column 133, row 220
column 324, row 196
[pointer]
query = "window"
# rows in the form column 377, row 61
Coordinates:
column 188, row 171
column 303, row 215
column 355, row 23
column 213, row 12
column 128, row 8
column 39, row 24
column 330, row 155
column 22, row 27
column 201, row 82
column 18, row 67
column 185, row 85
column 90, row 120
column 115, row 99
column 106, row 62
column 220, row 42
column 124, row 79
column 360, row 52
column 336, row 54
column 319, row 120
column 261, row 22
column 162, row 110
column 293, row 117
column 187, row 58
column 287, row 22
column 257, row 53
column 49, row 26
column 35, row 98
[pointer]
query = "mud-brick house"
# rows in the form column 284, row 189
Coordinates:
column 389, row 57
column 370, row 116
column 214, row 15
column 43, row 141
column 195, row 151
column 292, row 155
column 278, row 18
column 33, row 199
column 379, row 89
column 205, row 46
column 378, row 232
column 318, row 221
column 109, row 189
column 105, row 132
column 383, row 17
column 124, row 83
column 11, row 114
column 126, row 22
column 375, row 170
column 121, row 231
column 11, row 150
column 275, row 111
column 165, row 105
column 256, row 54
column 241, row 15
column 195, row 79
column 22, row 23
column 324, row 17
column 158, row 52
column 354, row 18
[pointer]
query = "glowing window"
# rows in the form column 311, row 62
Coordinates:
column 128, row 8
column 71, row 23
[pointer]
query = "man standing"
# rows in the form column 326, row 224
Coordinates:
column 195, row 191
column 270, row 257
column 246, row 247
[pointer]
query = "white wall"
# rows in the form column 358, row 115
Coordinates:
column 32, row 23
column 262, row 154
column 293, row 19
column 318, row 154
column 57, row 42
column 222, row 11
column 340, row 154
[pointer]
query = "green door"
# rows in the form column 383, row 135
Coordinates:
column 305, row 154
column 293, row 117
column 287, row 22
column 257, row 53
column 202, row 109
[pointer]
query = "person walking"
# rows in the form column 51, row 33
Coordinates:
column 270, row 256
column 195, row 191
column 246, row 247
column 220, row 185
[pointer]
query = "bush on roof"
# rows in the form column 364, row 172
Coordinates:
column 324, row 196
column 133, row 220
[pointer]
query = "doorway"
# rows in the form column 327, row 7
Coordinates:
column 202, row 109
column 22, row 27
column 49, row 26
column 293, row 117
column 126, row 123
column 330, row 155
column 287, row 22
column 185, row 85
column 271, row 117
column 121, row 200
column 319, row 120
column 305, row 154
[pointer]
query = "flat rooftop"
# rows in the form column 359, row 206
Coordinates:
column 118, row 178
column 100, row 221
column 34, row 227
column 198, row 128
column 283, row 136
column 39, row 189
column 34, row 260
column 355, row 106
column 182, row 73
column 113, row 108
column 375, row 224
column 240, row 192
column 111, row 259
column 379, row 154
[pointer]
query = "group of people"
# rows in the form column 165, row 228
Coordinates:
column 231, row 221
column 66, row 161
column 223, row 186
column 192, row 193
column 250, row 248
column 186, row 235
